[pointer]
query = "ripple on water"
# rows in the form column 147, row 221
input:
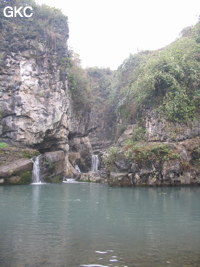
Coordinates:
column 94, row 265
column 101, row 252
column 51, row 222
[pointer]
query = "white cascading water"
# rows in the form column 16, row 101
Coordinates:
column 95, row 163
column 77, row 168
column 36, row 170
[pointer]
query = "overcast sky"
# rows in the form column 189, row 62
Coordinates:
column 105, row 32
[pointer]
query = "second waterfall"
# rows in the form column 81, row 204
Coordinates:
column 36, row 170
column 95, row 163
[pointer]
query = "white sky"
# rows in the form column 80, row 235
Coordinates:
column 105, row 32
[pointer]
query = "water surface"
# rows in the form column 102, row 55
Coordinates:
column 86, row 224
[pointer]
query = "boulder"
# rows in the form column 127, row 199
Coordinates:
column 128, row 133
column 91, row 177
column 81, row 153
column 120, row 179
column 17, row 166
column 52, row 167
column 17, row 172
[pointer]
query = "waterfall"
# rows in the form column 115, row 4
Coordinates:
column 95, row 163
column 36, row 170
column 77, row 168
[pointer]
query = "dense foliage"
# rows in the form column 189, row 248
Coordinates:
column 140, row 152
column 91, row 88
column 45, row 32
column 78, row 82
column 167, row 79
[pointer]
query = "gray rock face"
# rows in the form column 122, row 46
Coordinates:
column 34, row 101
column 80, row 153
column 16, row 172
column 36, row 108
column 180, row 168
column 17, row 166
column 52, row 166
column 126, row 134
column 91, row 177
column 162, row 130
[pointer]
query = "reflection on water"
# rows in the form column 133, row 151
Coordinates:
column 82, row 224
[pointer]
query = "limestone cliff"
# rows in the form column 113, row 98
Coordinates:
column 34, row 101
column 37, row 107
column 157, row 126
column 154, row 163
column 148, row 109
column 34, row 95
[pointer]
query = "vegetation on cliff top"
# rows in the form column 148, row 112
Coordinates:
column 45, row 32
column 78, row 82
column 140, row 153
column 167, row 79
column 90, row 87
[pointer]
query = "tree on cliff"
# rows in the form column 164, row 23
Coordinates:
column 166, row 79
column 78, row 82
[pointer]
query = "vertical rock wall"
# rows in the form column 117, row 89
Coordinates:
column 34, row 101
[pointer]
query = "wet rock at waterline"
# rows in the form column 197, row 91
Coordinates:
column 80, row 153
column 91, row 177
column 157, row 164
column 16, row 165
column 52, row 166
column 17, row 172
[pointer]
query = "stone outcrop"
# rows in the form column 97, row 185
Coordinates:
column 178, row 166
column 34, row 94
column 34, row 101
column 20, row 165
column 128, row 133
column 16, row 165
column 159, row 129
column 38, row 110
column 91, row 177
column 52, row 166
column 80, row 153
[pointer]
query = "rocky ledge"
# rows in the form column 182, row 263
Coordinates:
column 155, row 164
column 16, row 165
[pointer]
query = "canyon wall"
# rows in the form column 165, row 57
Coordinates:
column 159, row 152
column 50, row 104
column 34, row 102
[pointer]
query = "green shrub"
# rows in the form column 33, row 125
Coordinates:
column 166, row 79
column 139, row 134
column 3, row 145
column 110, row 157
column 146, row 152
column 25, row 177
